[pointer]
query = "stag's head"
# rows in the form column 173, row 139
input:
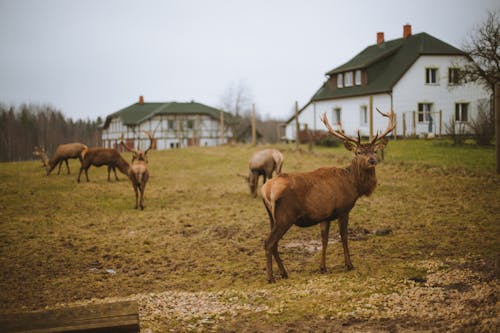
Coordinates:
column 139, row 155
column 365, row 153
column 42, row 154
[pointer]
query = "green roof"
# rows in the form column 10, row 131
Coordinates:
column 385, row 64
column 137, row 113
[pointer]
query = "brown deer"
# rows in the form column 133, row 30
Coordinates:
column 138, row 172
column 62, row 154
column 103, row 156
column 321, row 196
column 263, row 163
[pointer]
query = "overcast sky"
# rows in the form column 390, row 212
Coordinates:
column 89, row 58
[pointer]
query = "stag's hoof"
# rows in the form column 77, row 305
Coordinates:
column 284, row 275
column 349, row 267
column 322, row 270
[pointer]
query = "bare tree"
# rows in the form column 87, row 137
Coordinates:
column 237, row 98
column 483, row 47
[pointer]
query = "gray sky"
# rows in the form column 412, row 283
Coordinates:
column 89, row 58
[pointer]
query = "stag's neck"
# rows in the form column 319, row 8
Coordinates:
column 364, row 180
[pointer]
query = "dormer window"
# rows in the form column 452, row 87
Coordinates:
column 348, row 79
column 357, row 77
column 340, row 80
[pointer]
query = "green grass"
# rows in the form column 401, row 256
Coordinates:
column 201, row 231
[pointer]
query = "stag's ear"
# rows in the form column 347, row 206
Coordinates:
column 350, row 146
column 381, row 144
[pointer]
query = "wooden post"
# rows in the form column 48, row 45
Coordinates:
column 254, row 129
column 278, row 134
column 414, row 123
column 222, row 127
column 440, row 122
column 497, row 124
column 297, row 125
column 371, row 117
column 404, row 125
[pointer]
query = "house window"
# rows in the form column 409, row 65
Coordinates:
column 348, row 79
column 453, row 76
column 357, row 77
column 190, row 124
column 337, row 116
column 462, row 112
column 340, row 80
column 424, row 112
column 363, row 115
column 431, row 75
column 171, row 124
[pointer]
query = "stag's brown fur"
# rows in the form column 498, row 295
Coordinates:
column 103, row 156
column 62, row 154
column 319, row 197
column 138, row 172
column 263, row 163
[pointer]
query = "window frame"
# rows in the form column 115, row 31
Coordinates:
column 424, row 116
column 337, row 116
column 348, row 79
column 358, row 77
column 363, row 115
column 453, row 76
column 460, row 111
column 340, row 80
column 429, row 79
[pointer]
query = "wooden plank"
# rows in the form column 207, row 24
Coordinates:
column 120, row 317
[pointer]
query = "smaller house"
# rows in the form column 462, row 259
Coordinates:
column 173, row 125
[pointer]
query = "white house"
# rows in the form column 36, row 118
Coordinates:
column 416, row 76
column 173, row 125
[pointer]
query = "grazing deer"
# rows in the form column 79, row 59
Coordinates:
column 138, row 172
column 62, row 154
column 103, row 156
column 263, row 163
column 321, row 196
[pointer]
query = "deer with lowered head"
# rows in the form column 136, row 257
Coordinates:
column 322, row 196
column 138, row 172
column 263, row 163
column 103, row 156
column 62, row 154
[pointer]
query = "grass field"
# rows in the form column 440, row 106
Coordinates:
column 194, row 258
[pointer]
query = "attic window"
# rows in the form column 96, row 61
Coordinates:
column 340, row 80
column 348, row 79
column 357, row 77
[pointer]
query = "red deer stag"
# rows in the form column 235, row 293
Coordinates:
column 321, row 196
column 62, row 154
column 138, row 172
column 263, row 163
column 103, row 156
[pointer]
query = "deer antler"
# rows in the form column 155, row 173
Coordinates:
column 390, row 126
column 150, row 136
column 125, row 146
column 338, row 134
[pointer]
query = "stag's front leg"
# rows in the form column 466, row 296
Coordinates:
column 67, row 166
column 59, row 170
column 114, row 171
column 325, row 229
column 343, row 221
column 136, row 196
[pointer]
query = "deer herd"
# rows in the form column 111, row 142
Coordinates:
column 303, row 199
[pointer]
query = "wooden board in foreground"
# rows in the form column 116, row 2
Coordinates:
column 120, row 317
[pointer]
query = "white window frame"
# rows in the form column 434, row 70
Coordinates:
column 431, row 75
column 424, row 115
column 459, row 112
column 348, row 79
column 363, row 115
column 453, row 76
column 340, row 80
column 337, row 116
column 357, row 77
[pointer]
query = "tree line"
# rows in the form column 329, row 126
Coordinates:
column 29, row 125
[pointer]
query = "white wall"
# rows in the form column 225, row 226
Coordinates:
column 411, row 89
column 204, row 128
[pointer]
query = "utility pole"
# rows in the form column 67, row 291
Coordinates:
column 254, row 126
column 497, row 124
column 297, row 126
column 222, row 127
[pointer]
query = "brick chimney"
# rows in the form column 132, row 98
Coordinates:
column 141, row 99
column 406, row 31
column 380, row 38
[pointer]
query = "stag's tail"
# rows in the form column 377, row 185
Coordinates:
column 84, row 152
